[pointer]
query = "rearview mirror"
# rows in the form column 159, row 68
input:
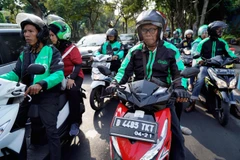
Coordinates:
column 196, row 56
column 104, row 70
column 115, row 49
column 35, row 69
column 189, row 72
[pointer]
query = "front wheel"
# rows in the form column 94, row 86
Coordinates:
column 96, row 101
column 222, row 112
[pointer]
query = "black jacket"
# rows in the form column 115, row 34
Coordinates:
column 164, row 63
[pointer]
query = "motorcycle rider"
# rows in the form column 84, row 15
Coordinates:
column 187, row 41
column 108, row 46
column 208, row 48
column 60, row 33
column 175, row 39
column 44, row 88
column 202, row 34
column 163, row 62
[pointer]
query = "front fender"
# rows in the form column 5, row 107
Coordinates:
column 94, row 84
column 10, row 140
column 227, row 97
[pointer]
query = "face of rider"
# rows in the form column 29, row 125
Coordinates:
column 175, row 35
column 53, row 37
column 219, row 31
column 30, row 34
column 111, row 38
column 150, row 35
column 204, row 35
column 189, row 35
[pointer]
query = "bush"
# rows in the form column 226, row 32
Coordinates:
column 231, row 39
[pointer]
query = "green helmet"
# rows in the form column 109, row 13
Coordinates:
column 61, row 29
column 202, row 29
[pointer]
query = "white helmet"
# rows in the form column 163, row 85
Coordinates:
column 188, row 31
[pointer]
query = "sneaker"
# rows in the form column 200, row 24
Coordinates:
column 185, row 130
column 74, row 129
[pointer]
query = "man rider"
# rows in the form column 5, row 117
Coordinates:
column 163, row 62
column 209, row 47
column 109, row 48
column 45, row 88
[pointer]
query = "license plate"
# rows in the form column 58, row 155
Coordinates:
column 134, row 129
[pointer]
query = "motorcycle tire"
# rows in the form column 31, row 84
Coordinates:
column 95, row 101
column 235, row 111
column 223, row 112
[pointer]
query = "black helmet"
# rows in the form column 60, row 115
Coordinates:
column 212, row 27
column 112, row 32
column 25, row 18
column 150, row 17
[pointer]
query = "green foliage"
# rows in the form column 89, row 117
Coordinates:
column 2, row 19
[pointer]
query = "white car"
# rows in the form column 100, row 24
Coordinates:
column 88, row 45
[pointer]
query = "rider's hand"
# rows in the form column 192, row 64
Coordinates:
column 201, row 62
column 115, row 57
column 33, row 89
column 182, row 95
column 111, row 88
column 70, row 83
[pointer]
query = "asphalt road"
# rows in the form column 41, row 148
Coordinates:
column 209, row 140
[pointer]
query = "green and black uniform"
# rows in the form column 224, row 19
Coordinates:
column 175, row 41
column 211, row 47
column 46, row 101
column 109, row 48
column 163, row 63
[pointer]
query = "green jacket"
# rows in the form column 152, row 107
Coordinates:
column 164, row 63
column 108, row 48
column 194, row 45
column 211, row 47
column 50, row 58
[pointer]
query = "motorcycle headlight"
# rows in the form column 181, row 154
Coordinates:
column 220, row 83
column 157, row 147
column 233, row 83
column 3, row 126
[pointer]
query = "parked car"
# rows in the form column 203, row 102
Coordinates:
column 128, row 40
column 88, row 45
column 11, row 44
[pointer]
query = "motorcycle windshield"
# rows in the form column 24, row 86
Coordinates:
column 143, row 93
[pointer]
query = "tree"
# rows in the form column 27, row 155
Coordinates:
column 127, row 10
column 2, row 19
column 204, row 12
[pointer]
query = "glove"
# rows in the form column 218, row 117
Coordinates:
column 182, row 93
column 111, row 88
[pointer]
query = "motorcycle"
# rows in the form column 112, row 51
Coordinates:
column 186, row 57
column 219, row 86
column 13, row 142
column 141, row 126
column 99, row 81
